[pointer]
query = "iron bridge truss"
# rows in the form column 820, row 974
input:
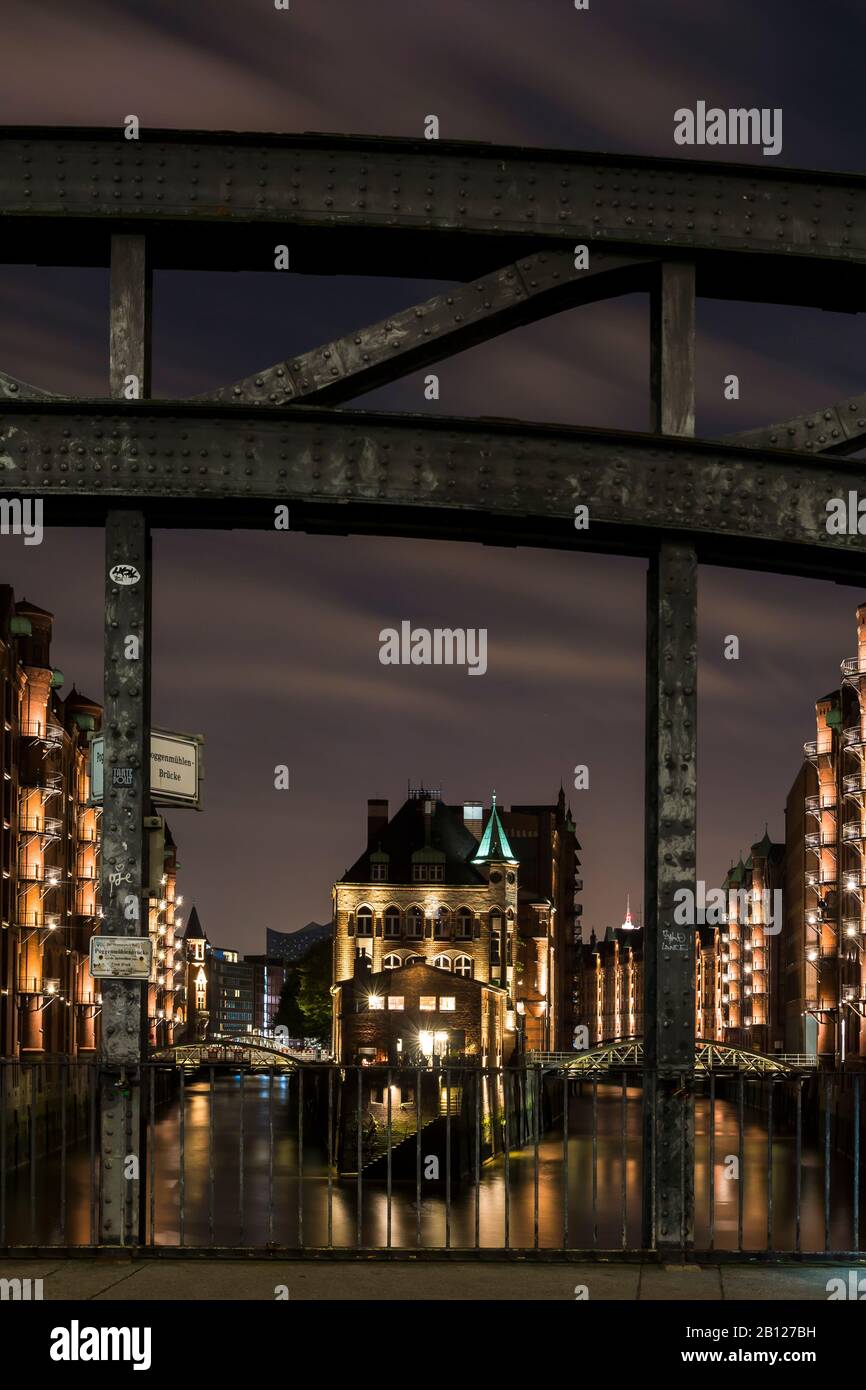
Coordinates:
column 500, row 226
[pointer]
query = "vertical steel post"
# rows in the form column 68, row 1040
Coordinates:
column 670, row 813
column 126, row 776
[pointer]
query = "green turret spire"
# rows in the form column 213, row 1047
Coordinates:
column 494, row 841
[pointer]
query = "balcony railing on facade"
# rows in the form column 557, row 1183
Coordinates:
column 38, row 921
column 819, row 746
column 42, row 731
column 49, row 875
column 49, row 826
column 853, row 831
column 823, row 879
column 821, row 803
column 854, row 737
column 852, row 666
column 820, row 839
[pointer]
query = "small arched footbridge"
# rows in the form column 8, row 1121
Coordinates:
column 627, row 1054
column 223, row 1052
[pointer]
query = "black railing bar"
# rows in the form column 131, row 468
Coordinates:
column 536, row 1108
column 300, row 1074
column 623, row 1164
column 241, row 1203
column 447, row 1158
column 798, row 1161
column 769, row 1164
column 359, row 1223
column 856, row 1195
column 741, row 1159
column 711, row 1164
column 330, row 1158
column 151, row 1148
column 210, row 1160
column 480, row 1083
column 270, row 1155
column 827, row 1163
column 181, row 1181
column 418, row 1159
column 595, row 1163
column 63, row 1079
column 389, row 1140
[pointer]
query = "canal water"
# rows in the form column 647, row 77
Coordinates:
column 212, row 1206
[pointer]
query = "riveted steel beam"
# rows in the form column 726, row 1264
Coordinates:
column 837, row 429
column 126, row 780
column 670, row 805
column 194, row 465
column 517, row 294
column 669, row 948
column 672, row 348
column 207, row 195
column 14, row 390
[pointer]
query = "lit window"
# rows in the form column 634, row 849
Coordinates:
column 376, row 1001
column 442, row 962
column 463, row 966
column 392, row 963
column 446, row 1003
column 395, row 1001
column 464, row 922
column 427, row 1003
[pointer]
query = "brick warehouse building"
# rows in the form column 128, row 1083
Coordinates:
column 49, row 846
column 414, row 1012
column 442, row 885
column 50, row 857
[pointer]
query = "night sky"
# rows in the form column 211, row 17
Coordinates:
column 268, row 644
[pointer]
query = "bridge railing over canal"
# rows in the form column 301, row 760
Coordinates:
column 330, row 1160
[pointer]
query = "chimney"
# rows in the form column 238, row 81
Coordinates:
column 473, row 818
column 362, row 964
column 377, row 818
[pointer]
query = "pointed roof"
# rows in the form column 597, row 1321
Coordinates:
column 194, row 927
column 763, row 847
column 494, row 841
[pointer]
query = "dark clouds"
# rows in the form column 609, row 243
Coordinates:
column 268, row 645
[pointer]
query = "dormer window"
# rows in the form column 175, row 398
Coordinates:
column 378, row 866
column 428, row 873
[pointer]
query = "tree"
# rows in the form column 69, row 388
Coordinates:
column 289, row 1012
column 314, row 995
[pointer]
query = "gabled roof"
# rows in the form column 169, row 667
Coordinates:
column 405, row 836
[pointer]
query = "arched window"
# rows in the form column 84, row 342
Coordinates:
column 442, row 925
column 391, row 963
column 442, row 962
column 365, row 921
column 415, row 922
column 464, row 922
column 392, row 921
column 463, row 966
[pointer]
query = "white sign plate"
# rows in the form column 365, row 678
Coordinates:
column 120, row 957
column 175, row 768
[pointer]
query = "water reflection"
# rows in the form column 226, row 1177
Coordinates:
column 272, row 1190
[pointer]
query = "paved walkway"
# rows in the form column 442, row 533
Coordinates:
column 325, row 1280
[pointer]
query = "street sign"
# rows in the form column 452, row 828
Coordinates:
column 175, row 769
column 120, row 957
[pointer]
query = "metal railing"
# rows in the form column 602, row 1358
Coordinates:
column 375, row 1159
